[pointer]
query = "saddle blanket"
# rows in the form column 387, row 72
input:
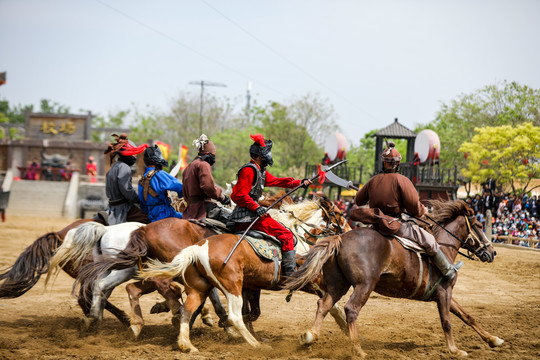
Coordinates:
column 409, row 244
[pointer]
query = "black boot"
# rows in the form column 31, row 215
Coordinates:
column 288, row 263
column 441, row 262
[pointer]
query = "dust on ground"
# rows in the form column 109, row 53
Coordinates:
column 503, row 296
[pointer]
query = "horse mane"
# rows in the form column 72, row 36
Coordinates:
column 446, row 211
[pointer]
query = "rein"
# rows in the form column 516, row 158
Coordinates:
column 465, row 243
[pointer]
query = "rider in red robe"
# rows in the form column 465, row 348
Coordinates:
column 252, row 178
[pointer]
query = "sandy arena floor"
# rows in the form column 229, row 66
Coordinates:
column 503, row 296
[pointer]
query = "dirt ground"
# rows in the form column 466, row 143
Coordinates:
column 503, row 296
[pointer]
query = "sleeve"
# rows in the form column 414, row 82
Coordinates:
column 411, row 201
column 125, row 185
column 206, row 181
column 285, row 182
column 362, row 196
column 240, row 194
column 172, row 184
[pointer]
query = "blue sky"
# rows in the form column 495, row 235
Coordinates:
column 373, row 60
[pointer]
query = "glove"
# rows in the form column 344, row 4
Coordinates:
column 304, row 185
column 225, row 200
column 261, row 210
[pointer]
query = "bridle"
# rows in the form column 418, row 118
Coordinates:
column 472, row 242
column 331, row 224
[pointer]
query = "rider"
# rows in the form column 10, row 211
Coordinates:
column 154, row 184
column 199, row 186
column 252, row 178
column 391, row 194
column 123, row 199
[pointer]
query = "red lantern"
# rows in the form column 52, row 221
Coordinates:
column 485, row 162
column 524, row 161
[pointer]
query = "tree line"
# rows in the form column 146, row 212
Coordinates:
column 491, row 132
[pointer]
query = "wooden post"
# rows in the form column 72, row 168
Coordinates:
column 489, row 221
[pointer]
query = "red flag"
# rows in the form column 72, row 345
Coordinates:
column 322, row 174
column 164, row 149
column 182, row 157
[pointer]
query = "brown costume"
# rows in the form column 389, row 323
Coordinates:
column 389, row 195
column 199, row 186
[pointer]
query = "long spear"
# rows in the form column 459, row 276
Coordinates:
column 275, row 202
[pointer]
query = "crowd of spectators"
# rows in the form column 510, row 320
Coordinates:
column 511, row 216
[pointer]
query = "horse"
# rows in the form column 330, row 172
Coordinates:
column 100, row 240
column 34, row 261
column 369, row 261
column 244, row 270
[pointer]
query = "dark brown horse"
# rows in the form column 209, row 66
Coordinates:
column 34, row 262
column 368, row 262
column 244, row 270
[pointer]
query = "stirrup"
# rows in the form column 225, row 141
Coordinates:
column 452, row 271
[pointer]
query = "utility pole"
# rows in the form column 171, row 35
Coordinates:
column 203, row 83
column 248, row 97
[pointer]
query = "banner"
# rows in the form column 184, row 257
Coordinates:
column 165, row 149
column 182, row 156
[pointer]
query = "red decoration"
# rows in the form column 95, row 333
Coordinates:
column 322, row 174
column 466, row 155
column 485, row 162
column 258, row 138
column 524, row 161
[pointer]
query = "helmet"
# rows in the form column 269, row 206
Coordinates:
column 153, row 156
column 390, row 154
column 262, row 148
column 204, row 145
column 125, row 149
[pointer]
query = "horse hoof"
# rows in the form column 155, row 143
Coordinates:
column 208, row 321
column 496, row 342
column 232, row 332
column 188, row 348
column 159, row 308
column 460, row 353
column 265, row 347
column 358, row 352
column 136, row 330
column 307, row 338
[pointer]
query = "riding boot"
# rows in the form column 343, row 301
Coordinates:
column 449, row 270
column 288, row 263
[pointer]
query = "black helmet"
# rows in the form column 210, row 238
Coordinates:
column 262, row 147
column 153, row 156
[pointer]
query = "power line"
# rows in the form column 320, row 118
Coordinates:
column 284, row 58
column 203, row 83
column 209, row 58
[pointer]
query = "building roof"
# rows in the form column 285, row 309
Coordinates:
column 396, row 130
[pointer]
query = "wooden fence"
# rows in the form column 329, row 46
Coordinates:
column 515, row 240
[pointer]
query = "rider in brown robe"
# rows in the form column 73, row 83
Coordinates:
column 390, row 194
column 199, row 187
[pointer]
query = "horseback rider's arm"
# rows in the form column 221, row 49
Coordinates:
column 240, row 194
column 411, row 201
column 170, row 183
column 206, row 181
column 125, row 185
column 362, row 196
column 285, row 182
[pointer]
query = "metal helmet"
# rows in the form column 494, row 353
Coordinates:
column 261, row 147
column 390, row 154
column 153, row 156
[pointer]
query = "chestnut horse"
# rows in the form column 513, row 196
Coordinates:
column 34, row 261
column 244, row 270
column 369, row 261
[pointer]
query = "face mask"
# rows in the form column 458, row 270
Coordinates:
column 209, row 158
column 129, row 160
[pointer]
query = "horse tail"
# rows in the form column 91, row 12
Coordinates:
column 29, row 266
column 135, row 250
column 317, row 256
column 177, row 267
column 76, row 246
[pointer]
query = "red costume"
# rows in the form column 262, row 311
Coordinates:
column 241, row 197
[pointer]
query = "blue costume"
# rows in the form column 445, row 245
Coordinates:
column 154, row 199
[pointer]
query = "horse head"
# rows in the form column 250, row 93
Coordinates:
column 464, row 227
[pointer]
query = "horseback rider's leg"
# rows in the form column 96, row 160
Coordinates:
column 432, row 248
column 274, row 228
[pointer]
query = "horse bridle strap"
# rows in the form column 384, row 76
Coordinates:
column 463, row 243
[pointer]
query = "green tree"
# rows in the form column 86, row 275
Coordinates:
column 509, row 154
column 507, row 103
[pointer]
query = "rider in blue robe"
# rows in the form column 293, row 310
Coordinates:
column 153, row 187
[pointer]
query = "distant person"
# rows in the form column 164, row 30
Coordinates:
column 91, row 169
column 3, row 203
column 32, row 171
column 66, row 171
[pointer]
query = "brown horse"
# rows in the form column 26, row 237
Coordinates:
column 368, row 261
column 244, row 270
column 34, row 262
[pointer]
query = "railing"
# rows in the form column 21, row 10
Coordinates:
column 429, row 174
column 511, row 239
